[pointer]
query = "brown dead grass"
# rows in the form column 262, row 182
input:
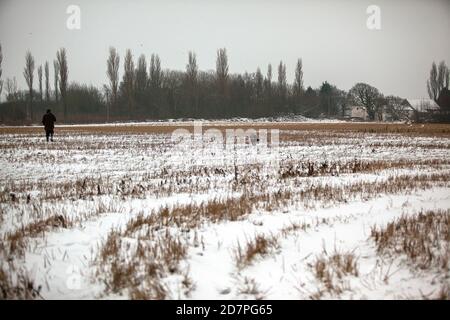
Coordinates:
column 444, row 293
column 259, row 246
column 136, row 265
column 17, row 240
column 335, row 168
column 408, row 129
column 423, row 238
column 190, row 216
column 162, row 183
column 19, row 287
column 331, row 271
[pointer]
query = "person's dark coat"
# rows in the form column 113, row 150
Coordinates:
column 48, row 121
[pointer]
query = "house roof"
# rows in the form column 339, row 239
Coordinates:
column 422, row 105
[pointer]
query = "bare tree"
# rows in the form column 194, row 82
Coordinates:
column 192, row 68
column 259, row 79
column 447, row 79
column 366, row 96
column 56, row 78
column 394, row 108
column 11, row 89
column 297, row 86
column 155, row 83
column 61, row 57
column 155, row 74
column 39, row 71
column 28, row 74
column 12, row 93
column 268, row 106
column 222, row 70
column 442, row 76
column 438, row 80
column 47, row 81
column 171, row 81
column 268, row 81
column 191, row 77
column 1, row 71
column 141, row 75
column 107, row 93
column 269, row 73
column 113, row 72
column 298, row 81
column 282, row 84
column 128, row 79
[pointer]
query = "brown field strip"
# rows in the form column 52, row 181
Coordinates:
column 164, row 127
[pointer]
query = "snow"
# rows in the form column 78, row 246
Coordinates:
column 62, row 260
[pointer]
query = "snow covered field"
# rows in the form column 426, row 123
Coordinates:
column 334, row 211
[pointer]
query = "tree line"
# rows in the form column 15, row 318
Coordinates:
column 146, row 91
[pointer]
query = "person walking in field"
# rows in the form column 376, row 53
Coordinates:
column 48, row 120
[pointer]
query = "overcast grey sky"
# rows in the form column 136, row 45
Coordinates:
column 330, row 36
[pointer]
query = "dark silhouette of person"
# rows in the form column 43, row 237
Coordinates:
column 48, row 120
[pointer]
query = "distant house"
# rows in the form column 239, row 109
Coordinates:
column 422, row 105
column 356, row 113
column 409, row 109
column 418, row 109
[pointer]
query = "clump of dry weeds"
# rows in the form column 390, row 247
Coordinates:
column 137, row 265
column 260, row 245
column 17, row 285
column 424, row 238
column 18, row 239
column 332, row 270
